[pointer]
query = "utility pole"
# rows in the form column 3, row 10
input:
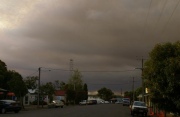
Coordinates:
column 142, row 68
column 133, row 89
column 39, row 85
column 71, row 70
column 121, row 91
column 71, row 74
column 71, row 67
column 143, row 88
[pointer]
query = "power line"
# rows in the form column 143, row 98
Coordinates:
column 32, row 74
column 129, row 83
column 110, row 71
column 147, row 16
column 66, row 70
column 161, row 13
column 165, row 26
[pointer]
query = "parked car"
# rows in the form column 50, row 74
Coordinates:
column 119, row 102
column 56, row 104
column 83, row 102
column 92, row 102
column 106, row 102
column 126, row 101
column 9, row 106
column 139, row 107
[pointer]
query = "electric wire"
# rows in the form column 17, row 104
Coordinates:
column 165, row 26
column 32, row 74
column 112, row 83
column 60, row 69
column 162, row 10
column 146, row 20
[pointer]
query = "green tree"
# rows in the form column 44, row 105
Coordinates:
column 137, row 92
column 75, row 82
column 75, row 88
column 105, row 93
column 128, row 94
column 85, row 92
column 162, row 75
column 3, row 75
column 17, row 85
column 47, row 89
column 30, row 82
column 60, row 85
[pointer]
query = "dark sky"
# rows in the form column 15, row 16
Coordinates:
column 105, row 38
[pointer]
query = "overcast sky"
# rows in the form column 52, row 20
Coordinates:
column 111, row 36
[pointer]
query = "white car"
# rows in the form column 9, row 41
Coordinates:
column 83, row 102
column 139, row 107
column 55, row 104
column 106, row 102
column 118, row 102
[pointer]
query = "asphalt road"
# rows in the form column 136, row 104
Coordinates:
column 100, row 110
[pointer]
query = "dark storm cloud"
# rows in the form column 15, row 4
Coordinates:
column 97, row 35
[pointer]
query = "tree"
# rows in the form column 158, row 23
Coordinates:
column 128, row 94
column 75, row 87
column 75, row 82
column 3, row 75
column 162, row 76
column 30, row 82
column 17, row 85
column 85, row 90
column 47, row 89
column 59, row 85
column 105, row 93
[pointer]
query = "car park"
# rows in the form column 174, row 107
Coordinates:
column 56, row 104
column 139, row 107
column 9, row 106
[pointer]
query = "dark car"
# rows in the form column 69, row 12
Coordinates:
column 9, row 106
column 92, row 102
column 139, row 107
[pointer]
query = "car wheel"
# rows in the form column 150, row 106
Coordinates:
column 145, row 115
column 3, row 110
column 132, row 113
column 17, row 111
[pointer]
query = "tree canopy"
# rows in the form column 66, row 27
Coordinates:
column 105, row 93
column 17, row 84
column 47, row 89
column 12, row 81
column 162, row 76
column 30, row 82
column 3, row 75
column 75, row 89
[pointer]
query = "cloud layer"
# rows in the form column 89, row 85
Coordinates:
column 97, row 35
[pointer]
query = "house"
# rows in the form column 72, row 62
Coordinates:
column 60, row 95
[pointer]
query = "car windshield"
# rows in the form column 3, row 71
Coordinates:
column 139, row 103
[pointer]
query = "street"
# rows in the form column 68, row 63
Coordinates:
column 100, row 110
